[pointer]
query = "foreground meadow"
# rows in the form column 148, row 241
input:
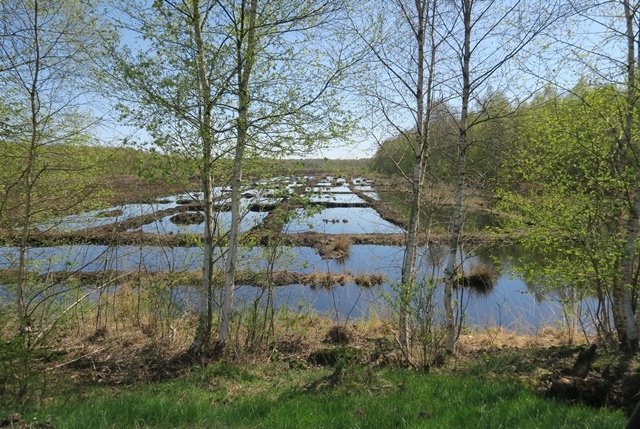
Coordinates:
column 268, row 396
column 316, row 374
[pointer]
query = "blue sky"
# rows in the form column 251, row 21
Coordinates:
column 545, row 62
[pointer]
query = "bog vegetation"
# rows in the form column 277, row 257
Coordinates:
column 158, row 160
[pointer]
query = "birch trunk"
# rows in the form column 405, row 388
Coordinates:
column 34, row 102
column 450, row 269
column 205, row 302
column 626, row 324
column 245, row 62
column 421, row 145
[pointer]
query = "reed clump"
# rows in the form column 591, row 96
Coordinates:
column 480, row 279
column 335, row 248
column 369, row 280
column 342, row 244
column 319, row 280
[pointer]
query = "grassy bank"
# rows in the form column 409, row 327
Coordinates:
column 271, row 396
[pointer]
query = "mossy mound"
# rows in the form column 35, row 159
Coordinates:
column 188, row 218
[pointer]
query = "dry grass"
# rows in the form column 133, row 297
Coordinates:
column 334, row 248
column 339, row 334
column 319, row 280
column 500, row 338
column 342, row 244
column 369, row 280
column 480, row 279
column 187, row 218
column 131, row 345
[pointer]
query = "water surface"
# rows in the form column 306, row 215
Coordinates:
column 343, row 220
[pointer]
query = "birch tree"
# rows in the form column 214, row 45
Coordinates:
column 404, row 49
column 486, row 36
column 175, row 88
column 626, row 315
column 227, row 80
column 287, row 96
column 604, row 50
column 45, row 47
column 601, row 48
column 567, row 209
column 246, row 57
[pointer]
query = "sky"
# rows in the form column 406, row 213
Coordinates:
column 526, row 73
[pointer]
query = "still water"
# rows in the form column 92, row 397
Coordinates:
column 511, row 304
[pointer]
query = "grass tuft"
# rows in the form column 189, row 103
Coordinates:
column 480, row 279
column 369, row 280
column 342, row 244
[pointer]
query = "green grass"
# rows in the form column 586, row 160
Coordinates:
column 269, row 397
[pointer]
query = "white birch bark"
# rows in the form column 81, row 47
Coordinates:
column 245, row 62
column 450, row 269
column 628, row 323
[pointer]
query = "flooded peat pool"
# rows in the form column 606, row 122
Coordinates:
column 343, row 220
column 223, row 223
column 511, row 304
column 98, row 218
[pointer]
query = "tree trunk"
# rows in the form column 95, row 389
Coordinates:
column 420, row 146
column 450, row 270
column 626, row 324
column 245, row 62
column 28, row 176
column 421, row 150
column 205, row 302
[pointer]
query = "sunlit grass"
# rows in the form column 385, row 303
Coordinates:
column 346, row 397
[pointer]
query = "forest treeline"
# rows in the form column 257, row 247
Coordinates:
column 497, row 124
column 556, row 168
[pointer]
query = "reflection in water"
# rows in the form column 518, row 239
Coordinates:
column 510, row 305
column 223, row 223
column 343, row 220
